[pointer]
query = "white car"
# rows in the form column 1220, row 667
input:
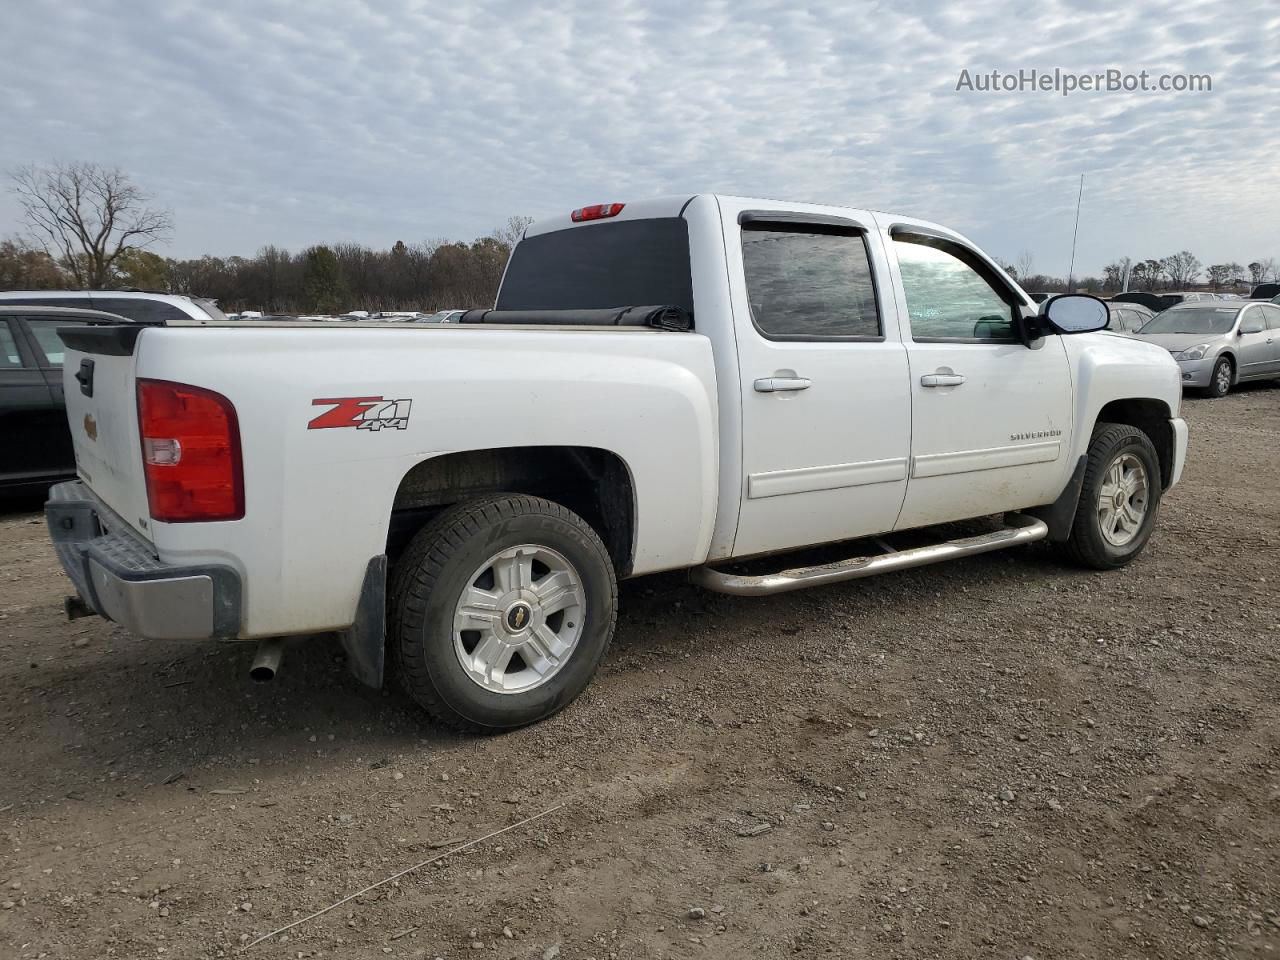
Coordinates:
column 134, row 304
column 664, row 385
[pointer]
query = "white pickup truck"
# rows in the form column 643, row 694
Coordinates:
column 669, row 384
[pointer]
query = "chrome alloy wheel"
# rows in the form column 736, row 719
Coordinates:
column 1123, row 500
column 519, row 618
column 1223, row 376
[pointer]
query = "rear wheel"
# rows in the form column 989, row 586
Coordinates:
column 501, row 610
column 1220, row 382
column 1119, row 499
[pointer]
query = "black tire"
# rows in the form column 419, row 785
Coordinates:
column 429, row 578
column 1087, row 545
column 1216, row 388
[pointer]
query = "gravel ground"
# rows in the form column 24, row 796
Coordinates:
column 998, row 757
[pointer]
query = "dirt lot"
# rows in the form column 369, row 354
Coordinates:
column 1000, row 757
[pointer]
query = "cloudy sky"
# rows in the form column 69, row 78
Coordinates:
column 299, row 121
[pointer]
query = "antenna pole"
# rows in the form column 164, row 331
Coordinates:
column 1074, row 233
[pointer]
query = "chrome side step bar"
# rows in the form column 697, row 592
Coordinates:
column 1022, row 529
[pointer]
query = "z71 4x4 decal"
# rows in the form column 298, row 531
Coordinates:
column 363, row 413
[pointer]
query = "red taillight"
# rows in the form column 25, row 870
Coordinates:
column 596, row 211
column 190, row 452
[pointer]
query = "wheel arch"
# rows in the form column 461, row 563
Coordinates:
column 595, row 483
column 1152, row 418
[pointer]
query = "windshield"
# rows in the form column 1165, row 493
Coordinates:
column 1194, row 320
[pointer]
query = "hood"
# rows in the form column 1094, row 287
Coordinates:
column 1177, row 342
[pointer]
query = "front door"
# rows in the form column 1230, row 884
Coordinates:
column 1254, row 343
column 823, row 379
column 991, row 418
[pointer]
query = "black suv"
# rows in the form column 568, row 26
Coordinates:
column 36, row 447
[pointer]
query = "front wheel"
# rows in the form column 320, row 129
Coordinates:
column 1119, row 499
column 1220, row 382
column 501, row 610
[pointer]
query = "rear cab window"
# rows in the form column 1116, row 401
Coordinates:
column 623, row 263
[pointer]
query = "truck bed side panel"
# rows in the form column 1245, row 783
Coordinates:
column 318, row 500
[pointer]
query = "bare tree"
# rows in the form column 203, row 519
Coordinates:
column 1113, row 274
column 1222, row 274
column 1182, row 268
column 1025, row 264
column 87, row 217
column 1146, row 274
column 1270, row 269
column 510, row 234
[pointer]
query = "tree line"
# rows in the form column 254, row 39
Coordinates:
column 1178, row 271
column 90, row 227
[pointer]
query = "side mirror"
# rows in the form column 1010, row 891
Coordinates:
column 1075, row 313
column 1252, row 325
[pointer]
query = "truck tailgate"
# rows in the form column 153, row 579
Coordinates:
column 102, row 410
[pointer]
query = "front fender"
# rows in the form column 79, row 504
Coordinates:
column 1108, row 368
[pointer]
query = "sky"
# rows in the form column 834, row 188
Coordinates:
column 294, row 122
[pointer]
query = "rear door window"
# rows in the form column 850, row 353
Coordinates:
column 627, row 263
column 806, row 283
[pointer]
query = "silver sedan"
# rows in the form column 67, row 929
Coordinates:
column 1221, row 344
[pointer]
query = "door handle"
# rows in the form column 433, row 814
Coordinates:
column 941, row 380
column 780, row 384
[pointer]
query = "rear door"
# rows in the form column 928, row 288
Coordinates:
column 822, row 378
column 29, row 417
column 990, row 417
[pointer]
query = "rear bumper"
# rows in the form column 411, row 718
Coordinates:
column 118, row 575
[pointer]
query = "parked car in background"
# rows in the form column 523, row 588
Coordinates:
column 36, row 447
column 1129, row 317
column 1152, row 301
column 130, row 304
column 1188, row 296
column 1163, row 301
column 1265, row 291
column 1220, row 345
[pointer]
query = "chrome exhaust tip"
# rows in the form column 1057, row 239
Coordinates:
column 266, row 662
